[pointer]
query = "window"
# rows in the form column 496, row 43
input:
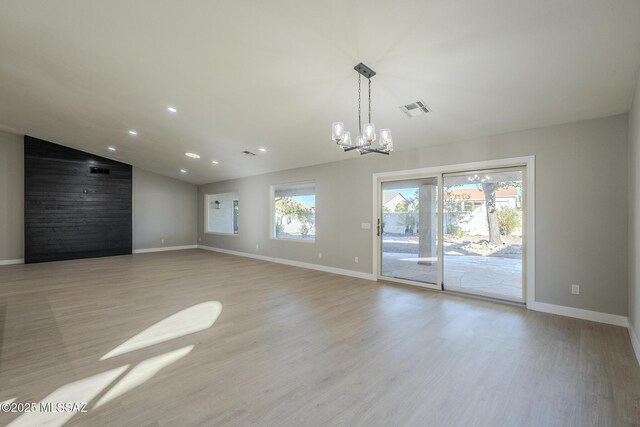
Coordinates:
column 221, row 213
column 294, row 211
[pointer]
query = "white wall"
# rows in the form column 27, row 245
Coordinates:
column 634, row 217
column 164, row 211
column 11, row 197
column 581, row 207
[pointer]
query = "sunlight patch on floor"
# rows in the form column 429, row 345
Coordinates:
column 142, row 373
column 188, row 321
column 83, row 390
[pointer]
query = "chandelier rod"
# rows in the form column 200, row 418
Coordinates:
column 370, row 101
column 359, row 112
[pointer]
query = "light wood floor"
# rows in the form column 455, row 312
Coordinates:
column 300, row 347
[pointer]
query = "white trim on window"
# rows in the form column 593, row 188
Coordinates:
column 206, row 213
column 272, row 211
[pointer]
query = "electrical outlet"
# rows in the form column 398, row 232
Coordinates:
column 319, row 254
column 257, row 246
column 575, row 289
column 162, row 241
column 357, row 260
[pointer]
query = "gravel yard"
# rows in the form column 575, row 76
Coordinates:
column 468, row 245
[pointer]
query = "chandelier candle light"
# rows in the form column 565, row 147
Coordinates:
column 367, row 134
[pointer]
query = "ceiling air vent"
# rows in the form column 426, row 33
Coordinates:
column 415, row 109
column 248, row 153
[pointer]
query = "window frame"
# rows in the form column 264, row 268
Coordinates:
column 272, row 211
column 206, row 213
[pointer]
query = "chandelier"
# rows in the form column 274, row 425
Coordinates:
column 367, row 134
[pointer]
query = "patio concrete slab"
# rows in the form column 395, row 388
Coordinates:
column 489, row 274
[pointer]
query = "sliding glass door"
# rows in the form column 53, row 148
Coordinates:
column 409, row 228
column 475, row 246
column 483, row 233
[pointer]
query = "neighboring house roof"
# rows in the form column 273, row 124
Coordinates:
column 387, row 196
column 391, row 199
column 473, row 194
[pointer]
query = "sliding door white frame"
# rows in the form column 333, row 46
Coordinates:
column 528, row 162
column 378, row 244
column 523, row 295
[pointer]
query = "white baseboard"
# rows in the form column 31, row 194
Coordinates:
column 165, row 248
column 578, row 313
column 594, row 316
column 635, row 343
column 11, row 261
column 326, row 269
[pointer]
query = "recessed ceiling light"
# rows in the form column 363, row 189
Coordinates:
column 183, row 170
column 111, row 148
column 215, row 162
column 133, row 132
column 192, row 155
column 173, row 110
column 264, row 150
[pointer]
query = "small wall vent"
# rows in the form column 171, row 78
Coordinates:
column 101, row 171
column 248, row 153
column 415, row 109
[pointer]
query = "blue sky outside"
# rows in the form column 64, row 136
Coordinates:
column 305, row 200
column 409, row 193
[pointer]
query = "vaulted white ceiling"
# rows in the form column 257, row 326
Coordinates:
column 276, row 74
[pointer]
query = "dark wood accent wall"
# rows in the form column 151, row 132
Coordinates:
column 76, row 204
